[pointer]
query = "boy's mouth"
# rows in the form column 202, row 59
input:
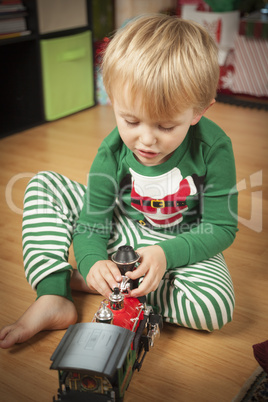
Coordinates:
column 147, row 154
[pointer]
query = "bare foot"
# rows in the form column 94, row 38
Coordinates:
column 49, row 312
column 78, row 283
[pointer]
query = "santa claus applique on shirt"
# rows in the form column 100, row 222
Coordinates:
column 162, row 199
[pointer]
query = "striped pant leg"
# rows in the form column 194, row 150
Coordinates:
column 52, row 204
column 199, row 296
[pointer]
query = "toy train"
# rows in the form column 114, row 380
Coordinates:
column 96, row 360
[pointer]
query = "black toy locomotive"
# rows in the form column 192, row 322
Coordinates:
column 96, row 361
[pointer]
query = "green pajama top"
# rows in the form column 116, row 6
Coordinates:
column 192, row 196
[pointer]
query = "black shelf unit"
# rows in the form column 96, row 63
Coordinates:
column 21, row 99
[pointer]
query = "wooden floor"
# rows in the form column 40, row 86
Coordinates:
column 185, row 365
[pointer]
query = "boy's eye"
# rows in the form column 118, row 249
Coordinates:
column 166, row 129
column 131, row 123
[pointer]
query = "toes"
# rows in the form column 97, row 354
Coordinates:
column 11, row 336
column 4, row 331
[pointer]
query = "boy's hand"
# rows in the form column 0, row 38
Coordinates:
column 153, row 266
column 103, row 276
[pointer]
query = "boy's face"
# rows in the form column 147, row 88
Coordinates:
column 152, row 142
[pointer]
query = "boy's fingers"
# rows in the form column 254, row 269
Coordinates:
column 142, row 290
column 137, row 273
column 103, row 288
column 149, row 284
column 111, row 282
column 115, row 271
column 105, row 279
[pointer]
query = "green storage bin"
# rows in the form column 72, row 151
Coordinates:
column 68, row 74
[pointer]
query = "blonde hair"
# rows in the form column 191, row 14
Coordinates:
column 170, row 63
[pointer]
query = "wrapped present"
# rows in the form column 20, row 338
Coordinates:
column 255, row 25
column 101, row 95
column 223, row 27
column 227, row 74
column 251, row 66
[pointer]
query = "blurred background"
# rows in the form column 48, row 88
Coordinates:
column 50, row 52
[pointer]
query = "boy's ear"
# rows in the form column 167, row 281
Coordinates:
column 198, row 116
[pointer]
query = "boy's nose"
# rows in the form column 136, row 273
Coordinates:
column 148, row 138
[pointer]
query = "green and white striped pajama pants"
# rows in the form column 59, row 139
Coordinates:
column 198, row 296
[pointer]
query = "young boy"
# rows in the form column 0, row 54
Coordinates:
column 163, row 182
